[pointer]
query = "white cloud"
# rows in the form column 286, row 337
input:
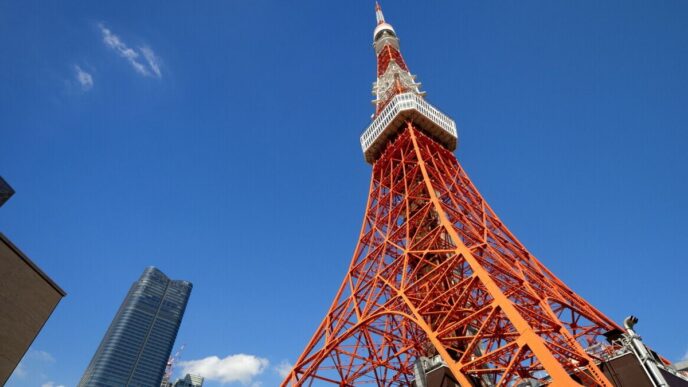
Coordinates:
column 20, row 371
column 685, row 356
column 233, row 368
column 152, row 66
column 35, row 367
column 85, row 79
column 42, row 356
column 283, row 368
column 153, row 61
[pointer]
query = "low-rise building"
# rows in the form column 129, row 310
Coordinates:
column 27, row 299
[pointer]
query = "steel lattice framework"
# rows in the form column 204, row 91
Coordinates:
column 435, row 272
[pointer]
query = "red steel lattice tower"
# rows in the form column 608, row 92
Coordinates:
column 436, row 274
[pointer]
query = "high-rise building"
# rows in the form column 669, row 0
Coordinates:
column 137, row 344
column 189, row 381
column 439, row 291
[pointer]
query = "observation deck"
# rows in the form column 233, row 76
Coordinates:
column 407, row 107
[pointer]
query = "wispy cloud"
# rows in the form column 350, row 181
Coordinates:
column 240, row 368
column 283, row 368
column 84, row 78
column 34, row 367
column 151, row 67
column 20, row 371
column 41, row 356
column 153, row 61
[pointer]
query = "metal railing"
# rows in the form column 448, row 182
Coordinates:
column 398, row 104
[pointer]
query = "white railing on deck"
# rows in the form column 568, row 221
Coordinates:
column 402, row 102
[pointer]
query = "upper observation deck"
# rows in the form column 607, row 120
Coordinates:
column 407, row 107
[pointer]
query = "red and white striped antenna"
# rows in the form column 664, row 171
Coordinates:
column 378, row 13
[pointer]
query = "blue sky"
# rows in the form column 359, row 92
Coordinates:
column 219, row 142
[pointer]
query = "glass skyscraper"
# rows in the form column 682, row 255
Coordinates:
column 137, row 344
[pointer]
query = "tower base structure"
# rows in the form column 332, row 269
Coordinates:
column 622, row 370
column 627, row 371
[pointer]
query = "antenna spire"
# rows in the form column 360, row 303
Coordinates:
column 393, row 76
column 378, row 13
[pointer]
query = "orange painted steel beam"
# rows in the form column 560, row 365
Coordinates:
column 435, row 272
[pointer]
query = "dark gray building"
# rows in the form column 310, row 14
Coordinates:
column 137, row 344
column 6, row 191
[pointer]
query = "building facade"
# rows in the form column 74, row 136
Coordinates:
column 27, row 298
column 137, row 344
column 189, row 381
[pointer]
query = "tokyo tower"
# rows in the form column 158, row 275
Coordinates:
column 436, row 277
